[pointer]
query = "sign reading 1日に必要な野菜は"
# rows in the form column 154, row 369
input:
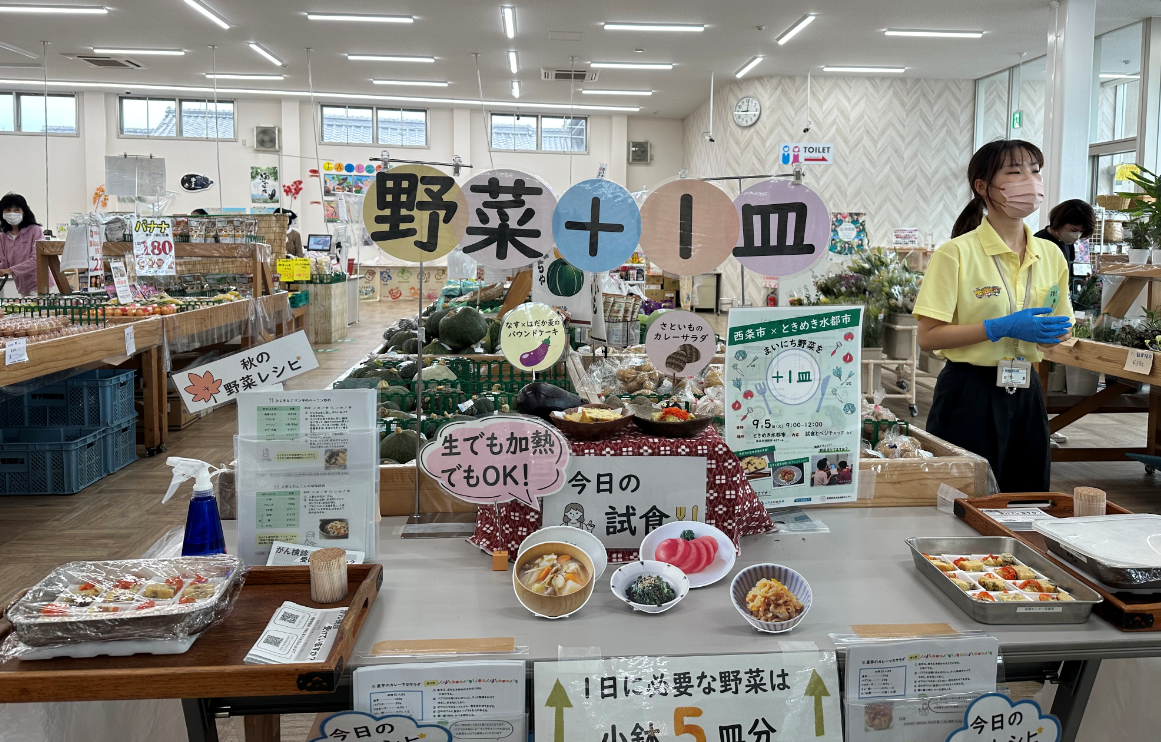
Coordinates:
column 793, row 399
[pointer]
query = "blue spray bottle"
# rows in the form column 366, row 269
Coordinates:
column 203, row 524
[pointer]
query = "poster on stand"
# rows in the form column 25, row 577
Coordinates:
column 793, row 399
column 153, row 247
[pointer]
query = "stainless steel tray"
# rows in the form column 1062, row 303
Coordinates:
column 1128, row 578
column 1077, row 610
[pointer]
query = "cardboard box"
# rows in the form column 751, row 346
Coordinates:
column 397, row 493
column 178, row 416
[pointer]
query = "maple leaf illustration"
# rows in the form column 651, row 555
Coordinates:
column 204, row 387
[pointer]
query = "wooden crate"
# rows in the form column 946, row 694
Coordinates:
column 326, row 321
column 397, row 493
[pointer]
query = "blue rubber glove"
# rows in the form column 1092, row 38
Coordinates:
column 1033, row 325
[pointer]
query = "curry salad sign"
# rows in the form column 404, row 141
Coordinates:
column 728, row 698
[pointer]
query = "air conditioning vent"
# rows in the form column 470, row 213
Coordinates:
column 569, row 75
column 121, row 63
column 267, row 139
column 640, row 153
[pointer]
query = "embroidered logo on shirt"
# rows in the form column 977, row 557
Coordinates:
column 987, row 292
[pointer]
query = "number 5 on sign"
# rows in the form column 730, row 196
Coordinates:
column 680, row 714
column 153, row 246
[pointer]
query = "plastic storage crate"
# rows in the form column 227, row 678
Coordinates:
column 91, row 399
column 49, row 461
column 119, row 445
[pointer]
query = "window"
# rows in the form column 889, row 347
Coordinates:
column 402, row 128
column 7, row 112
column 25, row 112
column 158, row 117
column 358, row 125
column 346, row 125
column 1117, row 72
column 532, row 133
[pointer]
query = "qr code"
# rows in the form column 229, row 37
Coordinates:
column 288, row 618
column 272, row 640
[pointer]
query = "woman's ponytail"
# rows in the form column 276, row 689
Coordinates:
column 969, row 218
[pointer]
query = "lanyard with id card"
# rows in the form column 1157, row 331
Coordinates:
column 1015, row 373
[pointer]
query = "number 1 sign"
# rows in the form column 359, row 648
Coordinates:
column 153, row 246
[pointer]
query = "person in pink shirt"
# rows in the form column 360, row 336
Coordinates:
column 19, row 233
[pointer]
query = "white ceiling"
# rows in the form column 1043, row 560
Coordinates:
column 847, row 32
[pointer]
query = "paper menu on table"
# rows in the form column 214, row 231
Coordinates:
column 294, row 415
column 914, row 668
column 1017, row 519
column 296, row 633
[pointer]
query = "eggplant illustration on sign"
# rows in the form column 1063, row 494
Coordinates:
column 537, row 354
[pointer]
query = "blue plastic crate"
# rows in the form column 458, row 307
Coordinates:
column 91, row 399
column 49, row 461
column 119, row 445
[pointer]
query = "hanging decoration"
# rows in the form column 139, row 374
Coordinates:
column 415, row 213
column 509, row 218
column 596, row 225
column 688, row 227
column 785, row 228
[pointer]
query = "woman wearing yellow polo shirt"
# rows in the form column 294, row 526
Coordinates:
column 989, row 298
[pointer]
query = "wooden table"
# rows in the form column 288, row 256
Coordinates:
column 1135, row 279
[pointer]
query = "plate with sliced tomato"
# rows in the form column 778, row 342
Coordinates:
column 704, row 553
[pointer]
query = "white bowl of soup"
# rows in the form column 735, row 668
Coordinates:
column 553, row 579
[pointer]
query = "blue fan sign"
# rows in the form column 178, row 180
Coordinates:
column 596, row 225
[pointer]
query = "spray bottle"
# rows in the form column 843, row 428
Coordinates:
column 203, row 524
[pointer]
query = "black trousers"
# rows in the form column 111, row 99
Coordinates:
column 1009, row 430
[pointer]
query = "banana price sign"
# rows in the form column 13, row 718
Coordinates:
column 726, row 698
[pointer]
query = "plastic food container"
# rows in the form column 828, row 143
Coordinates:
column 1119, row 550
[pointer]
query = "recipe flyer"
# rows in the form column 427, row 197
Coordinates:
column 307, row 471
column 793, row 399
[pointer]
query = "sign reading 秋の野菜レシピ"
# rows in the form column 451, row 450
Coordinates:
column 533, row 337
column 497, row 459
column 620, row 499
column 596, row 225
column 726, row 698
column 680, row 343
column 509, row 218
column 688, row 226
column 785, row 228
column 153, row 246
column 415, row 212
column 263, row 365
column 807, row 153
column 793, row 400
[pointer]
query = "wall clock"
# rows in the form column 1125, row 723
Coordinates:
column 746, row 111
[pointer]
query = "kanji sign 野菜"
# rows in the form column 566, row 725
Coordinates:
column 415, row 212
column 509, row 218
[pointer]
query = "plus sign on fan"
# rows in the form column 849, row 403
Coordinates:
column 596, row 225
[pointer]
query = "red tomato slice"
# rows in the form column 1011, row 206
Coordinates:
column 666, row 550
column 683, row 555
column 700, row 559
column 712, row 543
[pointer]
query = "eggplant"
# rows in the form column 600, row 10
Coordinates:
column 541, row 400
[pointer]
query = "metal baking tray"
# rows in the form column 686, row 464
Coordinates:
column 1128, row 578
column 1077, row 610
column 165, row 619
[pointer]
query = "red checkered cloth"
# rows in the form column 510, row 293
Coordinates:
column 731, row 504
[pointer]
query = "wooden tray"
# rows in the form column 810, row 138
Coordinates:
column 1125, row 611
column 213, row 667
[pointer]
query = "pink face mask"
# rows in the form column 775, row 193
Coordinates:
column 1022, row 197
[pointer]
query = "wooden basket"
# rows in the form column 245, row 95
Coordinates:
column 549, row 606
column 1116, row 203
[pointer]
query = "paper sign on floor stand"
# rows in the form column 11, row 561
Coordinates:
column 253, row 368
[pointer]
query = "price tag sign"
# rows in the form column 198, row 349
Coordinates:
column 153, row 247
column 130, row 342
column 301, row 269
column 1139, row 361
column 16, row 351
column 285, row 268
column 121, row 281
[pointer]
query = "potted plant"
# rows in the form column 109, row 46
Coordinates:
column 1145, row 213
column 1139, row 242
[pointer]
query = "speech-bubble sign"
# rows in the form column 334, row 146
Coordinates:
column 680, row 343
column 1002, row 719
column 497, row 459
column 354, row 725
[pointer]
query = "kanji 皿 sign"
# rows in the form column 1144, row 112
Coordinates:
column 728, row 698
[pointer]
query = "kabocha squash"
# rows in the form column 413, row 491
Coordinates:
column 462, row 328
column 410, row 346
column 407, row 369
column 482, row 406
column 399, row 446
column 401, row 337
column 491, row 341
column 431, row 324
column 437, row 372
column 436, row 348
column 399, row 395
column 565, row 279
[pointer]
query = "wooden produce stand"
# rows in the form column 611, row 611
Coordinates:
column 326, row 322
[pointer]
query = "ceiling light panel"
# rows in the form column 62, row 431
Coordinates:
column 671, row 27
column 515, row 88
column 748, row 66
column 204, row 10
column 358, row 17
column 266, row 55
column 873, row 70
column 508, row 18
column 57, row 9
column 633, row 65
column 413, row 83
column 513, row 62
column 800, row 24
column 387, row 58
column 139, row 52
column 933, row 34
column 242, row 76
column 590, row 91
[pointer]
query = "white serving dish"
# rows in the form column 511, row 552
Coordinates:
column 794, row 582
column 569, row 535
column 723, row 561
column 1132, row 540
column 625, row 576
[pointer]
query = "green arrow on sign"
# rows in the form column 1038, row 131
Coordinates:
column 815, row 688
column 558, row 699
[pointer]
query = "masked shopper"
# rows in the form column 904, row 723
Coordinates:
column 990, row 297
column 1069, row 222
column 19, row 233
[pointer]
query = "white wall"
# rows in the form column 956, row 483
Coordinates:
column 665, row 136
column 24, row 172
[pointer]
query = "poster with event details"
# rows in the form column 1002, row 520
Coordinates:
column 793, row 399
column 620, row 499
column 728, row 698
column 848, row 232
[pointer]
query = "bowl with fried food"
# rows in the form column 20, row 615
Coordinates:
column 772, row 598
column 591, row 422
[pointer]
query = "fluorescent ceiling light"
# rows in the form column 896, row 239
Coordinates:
column 415, row 83
column 800, row 24
column 1117, row 76
column 508, row 15
column 237, row 76
column 195, row 90
column 890, row 70
column 386, row 58
column 515, row 88
column 208, row 13
column 590, row 91
column 749, row 66
column 677, row 27
column 59, row 9
column 513, row 62
column 270, row 57
column 934, row 34
column 633, row 65
column 358, row 17
column 18, row 50
column 141, row 52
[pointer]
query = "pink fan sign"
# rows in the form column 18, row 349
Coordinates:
column 497, row 459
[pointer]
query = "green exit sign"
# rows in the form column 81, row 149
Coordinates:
column 1017, row 119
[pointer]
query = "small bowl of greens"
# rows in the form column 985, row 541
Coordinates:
column 648, row 586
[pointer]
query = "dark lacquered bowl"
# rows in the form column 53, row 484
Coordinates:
column 683, row 429
column 591, row 431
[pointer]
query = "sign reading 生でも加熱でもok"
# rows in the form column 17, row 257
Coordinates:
column 793, row 400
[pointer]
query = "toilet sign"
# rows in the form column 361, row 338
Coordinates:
column 807, row 153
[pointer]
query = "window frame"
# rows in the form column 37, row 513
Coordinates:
column 177, row 101
column 375, row 127
column 540, row 132
column 16, row 118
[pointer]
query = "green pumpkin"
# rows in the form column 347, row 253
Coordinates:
column 407, row 369
column 410, row 346
column 491, row 341
column 565, row 279
column 398, row 395
column 462, row 328
column 399, row 338
column 399, row 446
column 431, row 324
column 482, row 406
column 435, row 348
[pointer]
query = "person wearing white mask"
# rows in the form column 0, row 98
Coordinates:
column 990, row 298
column 19, row 233
column 1068, row 223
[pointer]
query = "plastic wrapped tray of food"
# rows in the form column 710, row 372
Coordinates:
column 1118, row 550
column 1001, row 580
column 128, row 599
